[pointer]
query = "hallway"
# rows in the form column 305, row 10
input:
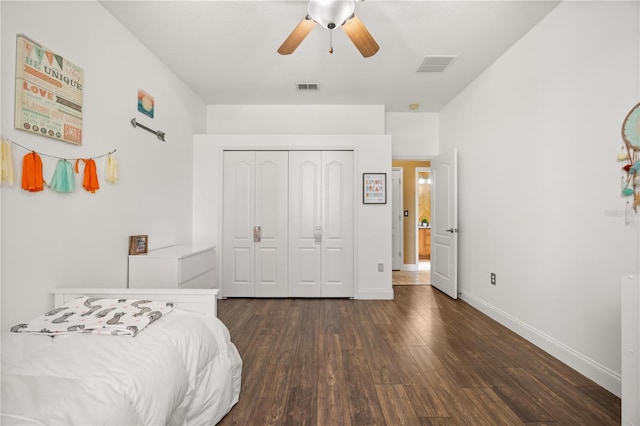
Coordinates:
column 420, row 277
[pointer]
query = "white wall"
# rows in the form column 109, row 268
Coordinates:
column 539, row 200
column 416, row 135
column 52, row 240
column 295, row 119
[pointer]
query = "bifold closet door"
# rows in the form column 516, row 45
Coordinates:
column 321, row 224
column 255, row 200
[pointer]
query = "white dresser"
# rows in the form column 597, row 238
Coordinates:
column 180, row 266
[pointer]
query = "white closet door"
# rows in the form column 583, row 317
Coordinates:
column 271, row 204
column 337, row 215
column 321, row 224
column 238, row 258
column 255, row 200
column 305, row 224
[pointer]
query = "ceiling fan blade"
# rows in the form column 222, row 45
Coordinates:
column 298, row 34
column 360, row 36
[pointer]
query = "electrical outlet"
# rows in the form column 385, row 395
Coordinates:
column 380, row 267
column 493, row 278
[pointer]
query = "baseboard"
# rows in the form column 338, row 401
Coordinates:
column 595, row 371
column 374, row 294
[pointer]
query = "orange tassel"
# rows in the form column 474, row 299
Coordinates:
column 32, row 179
column 90, row 181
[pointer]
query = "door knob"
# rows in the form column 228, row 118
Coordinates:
column 257, row 234
column 317, row 235
column 452, row 230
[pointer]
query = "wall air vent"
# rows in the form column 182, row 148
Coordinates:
column 307, row 87
column 435, row 63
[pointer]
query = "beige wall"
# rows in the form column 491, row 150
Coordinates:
column 409, row 203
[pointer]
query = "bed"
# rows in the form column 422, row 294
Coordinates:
column 180, row 369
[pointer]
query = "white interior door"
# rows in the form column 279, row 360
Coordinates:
column 255, row 224
column 321, row 224
column 444, row 226
column 396, row 219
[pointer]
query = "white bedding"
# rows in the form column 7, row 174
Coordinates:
column 173, row 372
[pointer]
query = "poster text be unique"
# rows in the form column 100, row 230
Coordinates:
column 48, row 93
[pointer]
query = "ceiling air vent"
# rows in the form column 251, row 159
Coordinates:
column 307, row 87
column 435, row 63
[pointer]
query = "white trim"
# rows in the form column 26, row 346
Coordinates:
column 595, row 371
column 401, row 230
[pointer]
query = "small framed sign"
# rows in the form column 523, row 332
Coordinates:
column 374, row 188
column 138, row 244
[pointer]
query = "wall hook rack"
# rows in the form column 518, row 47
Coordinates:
column 158, row 133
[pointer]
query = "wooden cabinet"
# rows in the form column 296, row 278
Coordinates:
column 181, row 266
column 425, row 243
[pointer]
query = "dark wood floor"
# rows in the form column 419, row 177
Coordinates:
column 421, row 359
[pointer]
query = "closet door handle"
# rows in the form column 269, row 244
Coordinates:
column 317, row 234
column 257, row 234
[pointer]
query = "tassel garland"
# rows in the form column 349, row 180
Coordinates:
column 63, row 179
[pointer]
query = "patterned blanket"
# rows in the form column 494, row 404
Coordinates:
column 118, row 317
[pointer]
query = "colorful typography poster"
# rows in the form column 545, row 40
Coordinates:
column 48, row 93
column 374, row 188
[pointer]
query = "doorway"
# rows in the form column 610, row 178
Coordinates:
column 409, row 272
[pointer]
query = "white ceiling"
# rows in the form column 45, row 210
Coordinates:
column 226, row 50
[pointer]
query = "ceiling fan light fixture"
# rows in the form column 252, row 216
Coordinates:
column 331, row 13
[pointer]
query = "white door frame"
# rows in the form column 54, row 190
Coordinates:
column 397, row 215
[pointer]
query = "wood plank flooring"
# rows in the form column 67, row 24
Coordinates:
column 420, row 359
column 411, row 277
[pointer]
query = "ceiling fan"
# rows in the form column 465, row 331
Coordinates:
column 331, row 14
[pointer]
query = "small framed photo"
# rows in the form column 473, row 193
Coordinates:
column 374, row 188
column 138, row 244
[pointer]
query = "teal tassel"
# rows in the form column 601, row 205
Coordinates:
column 63, row 177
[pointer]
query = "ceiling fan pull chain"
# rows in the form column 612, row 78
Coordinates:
column 331, row 41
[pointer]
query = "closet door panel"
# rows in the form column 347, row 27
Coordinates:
column 305, row 227
column 272, row 199
column 337, row 213
column 238, row 217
